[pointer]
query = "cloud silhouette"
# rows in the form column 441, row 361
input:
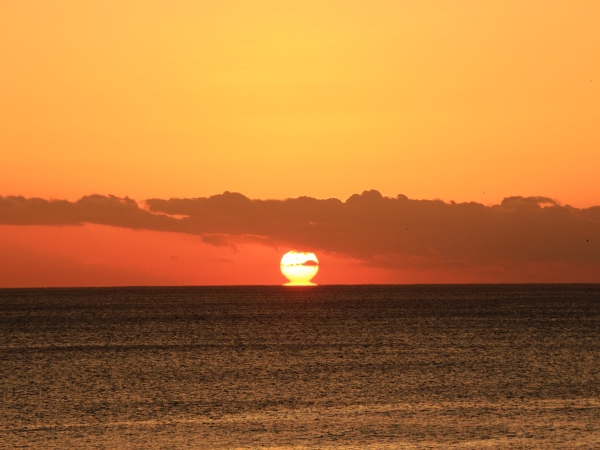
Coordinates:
column 98, row 209
column 310, row 262
column 381, row 231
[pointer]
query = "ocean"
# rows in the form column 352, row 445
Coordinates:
column 324, row 367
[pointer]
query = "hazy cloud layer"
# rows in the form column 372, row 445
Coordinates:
column 394, row 232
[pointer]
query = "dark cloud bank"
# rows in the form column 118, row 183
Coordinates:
column 393, row 232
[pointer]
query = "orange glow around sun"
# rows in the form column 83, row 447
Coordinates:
column 299, row 268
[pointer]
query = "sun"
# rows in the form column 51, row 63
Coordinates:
column 299, row 268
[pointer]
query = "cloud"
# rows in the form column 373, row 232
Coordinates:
column 310, row 263
column 380, row 231
column 97, row 209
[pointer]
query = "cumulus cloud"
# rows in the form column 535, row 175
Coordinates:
column 98, row 209
column 382, row 231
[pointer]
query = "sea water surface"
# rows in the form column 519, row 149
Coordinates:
column 342, row 367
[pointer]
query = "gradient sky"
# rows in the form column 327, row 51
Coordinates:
column 464, row 101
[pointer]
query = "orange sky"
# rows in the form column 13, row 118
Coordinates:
column 464, row 101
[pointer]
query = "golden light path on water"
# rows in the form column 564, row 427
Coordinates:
column 299, row 268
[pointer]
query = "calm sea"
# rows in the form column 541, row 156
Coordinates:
column 348, row 367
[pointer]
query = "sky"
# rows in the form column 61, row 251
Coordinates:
column 190, row 142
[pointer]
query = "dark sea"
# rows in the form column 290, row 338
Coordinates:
column 326, row 367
